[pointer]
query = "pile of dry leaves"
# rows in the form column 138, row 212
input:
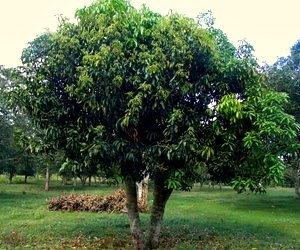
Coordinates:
column 114, row 203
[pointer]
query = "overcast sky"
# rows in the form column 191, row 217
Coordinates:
column 271, row 26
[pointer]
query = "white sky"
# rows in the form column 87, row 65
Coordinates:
column 271, row 26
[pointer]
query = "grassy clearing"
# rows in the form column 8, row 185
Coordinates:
column 200, row 219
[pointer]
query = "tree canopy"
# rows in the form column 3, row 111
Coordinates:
column 284, row 75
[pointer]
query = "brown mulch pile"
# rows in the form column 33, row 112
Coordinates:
column 114, row 203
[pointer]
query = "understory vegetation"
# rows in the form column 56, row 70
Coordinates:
column 204, row 218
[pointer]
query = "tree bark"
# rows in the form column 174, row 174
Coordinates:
column 25, row 179
column 47, row 180
column 161, row 195
column 133, row 214
column 143, row 194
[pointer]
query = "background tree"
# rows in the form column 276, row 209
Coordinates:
column 129, row 91
column 12, row 159
column 22, row 142
column 284, row 75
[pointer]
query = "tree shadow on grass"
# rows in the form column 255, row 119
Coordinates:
column 215, row 234
column 278, row 204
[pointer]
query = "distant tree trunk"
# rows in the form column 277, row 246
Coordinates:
column 83, row 180
column 37, row 176
column 143, row 193
column 10, row 177
column 133, row 214
column 25, row 179
column 90, row 180
column 297, row 189
column 74, row 181
column 161, row 195
column 47, row 180
column 201, row 182
column 220, row 185
column 64, row 180
column 295, row 176
column 297, row 182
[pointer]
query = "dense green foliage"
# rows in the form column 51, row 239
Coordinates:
column 284, row 76
column 128, row 91
column 12, row 159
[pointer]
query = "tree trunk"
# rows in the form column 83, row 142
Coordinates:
column 201, row 183
column 37, row 176
column 297, row 183
column 25, row 179
column 83, row 180
column 297, row 189
column 10, row 177
column 64, row 180
column 143, row 194
column 133, row 214
column 74, row 181
column 47, row 180
column 161, row 195
column 90, row 180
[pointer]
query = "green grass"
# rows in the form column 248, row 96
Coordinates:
column 200, row 219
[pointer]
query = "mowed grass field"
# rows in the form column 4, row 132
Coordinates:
column 201, row 219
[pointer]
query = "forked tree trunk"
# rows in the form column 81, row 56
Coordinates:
column 47, row 180
column 83, row 180
column 161, row 195
column 133, row 214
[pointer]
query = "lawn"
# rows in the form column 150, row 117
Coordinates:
column 200, row 219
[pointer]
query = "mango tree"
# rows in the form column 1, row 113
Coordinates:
column 136, row 93
column 284, row 75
